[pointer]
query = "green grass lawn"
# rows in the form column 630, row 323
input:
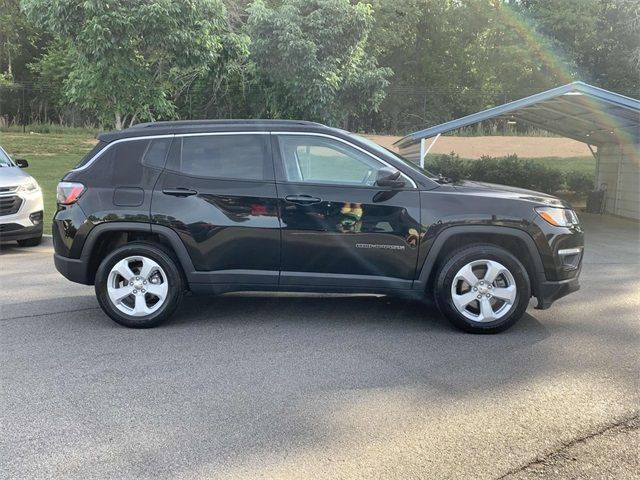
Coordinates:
column 50, row 156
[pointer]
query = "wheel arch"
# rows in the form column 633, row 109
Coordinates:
column 107, row 236
column 517, row 242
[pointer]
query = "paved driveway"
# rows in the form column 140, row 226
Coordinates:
column 316, row 387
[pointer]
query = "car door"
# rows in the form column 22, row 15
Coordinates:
column 218, row 193
column 339, row 228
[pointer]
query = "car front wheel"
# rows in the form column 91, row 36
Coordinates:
column 139, row 285
column 482, row 289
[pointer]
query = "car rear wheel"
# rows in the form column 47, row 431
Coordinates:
column 139, row 285
column 482, row 289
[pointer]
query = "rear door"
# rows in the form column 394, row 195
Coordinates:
column 218, row 193
column 339, row 229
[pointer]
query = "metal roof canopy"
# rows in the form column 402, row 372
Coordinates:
column 579, row 111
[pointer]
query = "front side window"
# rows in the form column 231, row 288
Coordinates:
column 238, row 157
column 313, row 159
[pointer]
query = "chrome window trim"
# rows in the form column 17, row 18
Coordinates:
column 204, row 134
column 375, row 157
column 115, row 142
column 259, row 132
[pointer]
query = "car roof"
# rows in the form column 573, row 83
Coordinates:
column 204, row 126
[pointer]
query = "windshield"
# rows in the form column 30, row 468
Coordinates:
column 383, row 150
column 5, row 161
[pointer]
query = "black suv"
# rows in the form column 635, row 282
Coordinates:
column 219, row 206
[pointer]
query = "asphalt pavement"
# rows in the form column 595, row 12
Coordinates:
column 291, row 386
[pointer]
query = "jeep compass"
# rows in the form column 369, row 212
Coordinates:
column 210, row 207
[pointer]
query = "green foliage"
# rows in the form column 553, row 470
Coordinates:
column 449, row 166
column 53, row 69
column 19, row 40
column 580, row 182
column 370, row 65
column 129, row 57
column 510, row 170
column 311, row 57
column 598, row 38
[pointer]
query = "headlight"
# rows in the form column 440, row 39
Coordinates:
column 559, row 217
column 29, row 186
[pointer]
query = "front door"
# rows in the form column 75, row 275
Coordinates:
column 339, row 229
column 218, row 193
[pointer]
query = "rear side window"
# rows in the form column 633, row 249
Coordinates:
column 156, row 152
column 236, row 157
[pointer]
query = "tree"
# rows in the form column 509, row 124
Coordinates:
column 311, row 57
column 598, row 37
column 132, row 57
column 20, row 41
column 52, row 70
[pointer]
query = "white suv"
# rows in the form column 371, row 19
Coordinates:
column 21, row 208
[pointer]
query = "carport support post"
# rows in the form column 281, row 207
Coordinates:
column 424, row 151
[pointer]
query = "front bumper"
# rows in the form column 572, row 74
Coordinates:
column 550, row 291
column 27, row 221
column 10, row 232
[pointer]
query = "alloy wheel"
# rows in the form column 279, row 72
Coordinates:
column 483, row 291
column 137, row 286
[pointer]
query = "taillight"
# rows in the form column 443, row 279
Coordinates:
column 69, row 192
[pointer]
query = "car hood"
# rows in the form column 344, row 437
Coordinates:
column 504, row 191
column 12, row 176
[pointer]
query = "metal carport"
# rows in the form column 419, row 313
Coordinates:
column 602, row 119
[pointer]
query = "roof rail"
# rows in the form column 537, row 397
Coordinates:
column 186, row 123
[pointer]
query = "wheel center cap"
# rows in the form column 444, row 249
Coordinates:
column 482, row 289
column 137, row 285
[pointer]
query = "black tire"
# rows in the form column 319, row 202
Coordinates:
column 30, row 242
column 477, row 252
column 174, row 278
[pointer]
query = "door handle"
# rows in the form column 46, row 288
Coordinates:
column 302, row 199
column 179, row 192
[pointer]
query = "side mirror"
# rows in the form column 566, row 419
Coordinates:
column 389, row 178
column 21, row 162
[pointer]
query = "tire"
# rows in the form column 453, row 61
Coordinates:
column 30, row 242
column 493, row 306
column 145, row 299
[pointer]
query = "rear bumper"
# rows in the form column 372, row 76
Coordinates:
column 549, row 292
column 74, row 269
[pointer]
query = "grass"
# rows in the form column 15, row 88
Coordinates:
column 50, row 156
column 49, row 128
